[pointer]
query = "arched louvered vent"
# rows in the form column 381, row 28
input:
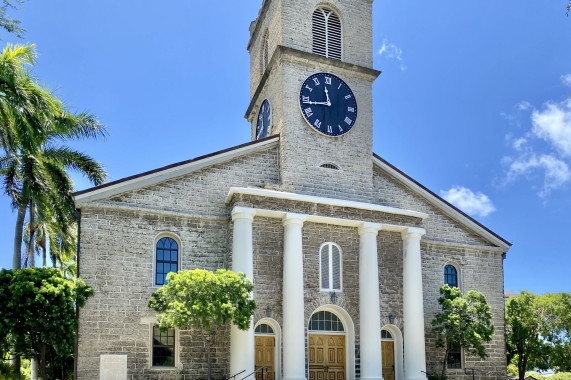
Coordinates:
column 330, row 267
column 326, row 33
column 329, row 166
column 265, row 51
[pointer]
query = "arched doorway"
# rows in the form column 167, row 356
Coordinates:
column 266, row 345
column 392, row 352
column 388, row 352
column 327, row 347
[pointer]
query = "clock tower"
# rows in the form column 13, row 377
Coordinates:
column 311, row 83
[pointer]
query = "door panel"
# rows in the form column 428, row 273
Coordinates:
column 265, row 356
column 388, row 353
column 326, row 357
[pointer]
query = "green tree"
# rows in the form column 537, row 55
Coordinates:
column 38, row 308
column 203, row 300
column 33, row 126
column 465, row 322
column 11, row 25
column 556, row 328
column 525, row 322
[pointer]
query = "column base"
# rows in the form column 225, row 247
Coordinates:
column 415, row 378
column 372, row 378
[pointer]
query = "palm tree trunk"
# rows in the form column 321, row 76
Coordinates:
column 18, row 233
column 44, row 252
column 30, row 246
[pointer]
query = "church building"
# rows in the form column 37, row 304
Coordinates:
column 346, row 252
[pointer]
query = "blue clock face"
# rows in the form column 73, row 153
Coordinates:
column 264, row 120
column 328, row 104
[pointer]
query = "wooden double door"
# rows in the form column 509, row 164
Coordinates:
column 265, row 354
column 326, row 357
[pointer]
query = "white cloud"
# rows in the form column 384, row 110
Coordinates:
column 519, row 144
column 474, row 204
column 523, row 106
column 553, row 124
column 392, row 51
column 566, row 79
column 556, row 171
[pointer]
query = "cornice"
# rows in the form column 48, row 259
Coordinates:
column 284, row 53
column 264, row 193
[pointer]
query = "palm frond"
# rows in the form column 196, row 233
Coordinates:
column 77, row 161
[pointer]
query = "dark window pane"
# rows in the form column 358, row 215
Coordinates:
column 450, row 276
column 325, row 321
column 454, row 360
column 163, row 347
column 166, row 259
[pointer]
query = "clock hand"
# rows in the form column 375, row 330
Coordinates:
column 261, row 130
column 327, row 94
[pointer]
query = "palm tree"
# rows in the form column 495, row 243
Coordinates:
column 23, row 103
column 33, row 125
column 40, row 184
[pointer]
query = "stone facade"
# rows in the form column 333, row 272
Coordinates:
column 117, row 254
column 272, row 181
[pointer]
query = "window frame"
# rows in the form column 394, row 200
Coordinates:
column 459, row 360
column 176, row 360
column 331, row 287
column 458, row 274
column 326, row 33
column 155, row 257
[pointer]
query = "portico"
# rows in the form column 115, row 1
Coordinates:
column 294, row 320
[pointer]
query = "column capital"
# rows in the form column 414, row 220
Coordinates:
column 243, row 213
column 413, row 233
column 369, row 228
column 293, row 218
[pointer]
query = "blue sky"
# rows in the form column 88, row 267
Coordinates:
column 473, row 102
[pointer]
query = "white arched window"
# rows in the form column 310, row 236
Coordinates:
column 326, row 30
column 330, row 267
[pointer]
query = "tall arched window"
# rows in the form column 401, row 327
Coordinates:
column 327, row 40
column 166, row 259
column 451, row 275
column 330, row 267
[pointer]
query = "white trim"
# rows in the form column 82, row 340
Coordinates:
column 321, row 200
column 330, row 220
column 177, row 171
column 278, row 343
column 349, row 337
column 330, row 289
column 440, row 204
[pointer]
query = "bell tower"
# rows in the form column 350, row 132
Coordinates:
column 311, row 81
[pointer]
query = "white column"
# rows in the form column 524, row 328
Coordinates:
column 242, row 342
column 369, row 304
column 413, row 308
column 293, row 301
